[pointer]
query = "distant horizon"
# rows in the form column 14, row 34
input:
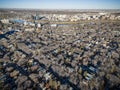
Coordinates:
column 60, row 4
column 55, row 9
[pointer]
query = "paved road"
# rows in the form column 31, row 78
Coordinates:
column 77, row 22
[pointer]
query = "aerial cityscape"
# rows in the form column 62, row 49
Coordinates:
column 59, row 45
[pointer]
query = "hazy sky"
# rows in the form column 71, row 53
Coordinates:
column 61, row 4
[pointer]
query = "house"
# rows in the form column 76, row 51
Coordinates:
column 6, row 21
column 53, row 25
column 39, row 25
column 29, row 29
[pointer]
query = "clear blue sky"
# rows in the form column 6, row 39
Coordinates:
column 61, row 4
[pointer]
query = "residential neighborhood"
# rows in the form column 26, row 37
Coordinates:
column 66, row 50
